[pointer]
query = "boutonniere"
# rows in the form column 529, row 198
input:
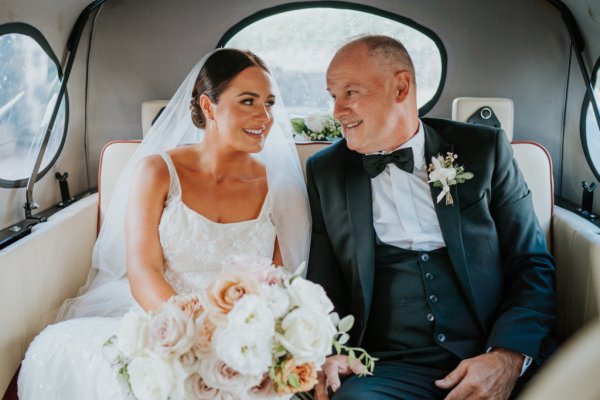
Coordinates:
column 444, row 173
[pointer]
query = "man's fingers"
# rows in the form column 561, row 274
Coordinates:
column 358, row 368
column 321, row 388
column 460, row 392
column 332, row 377
column 453, row 378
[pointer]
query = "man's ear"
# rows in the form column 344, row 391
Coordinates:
column 402, row 85
column 206, row 105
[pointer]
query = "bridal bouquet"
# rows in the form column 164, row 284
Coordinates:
column 257, row 331
column 317, row 127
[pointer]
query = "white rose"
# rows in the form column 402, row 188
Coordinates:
column 304, row 293
column 219, row 375
column 315, row 122
column 171, row 331
column 133, row 334
column 151, row 378
column 276, row 298
column 439, row 173
column 308, row 335
column 245, row 344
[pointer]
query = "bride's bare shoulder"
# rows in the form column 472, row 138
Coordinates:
column 152, row 170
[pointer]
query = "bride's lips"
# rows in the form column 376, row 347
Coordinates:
column 254, row 132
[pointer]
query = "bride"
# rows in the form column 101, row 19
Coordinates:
column 178, row 212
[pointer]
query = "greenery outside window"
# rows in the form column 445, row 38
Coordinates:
column 298, row 40
column 29, row 83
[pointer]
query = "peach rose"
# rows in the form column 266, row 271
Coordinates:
column 205, row 328
column 191, row 304
column 227, row 289
column 305, row 376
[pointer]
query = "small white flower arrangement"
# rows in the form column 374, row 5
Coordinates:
column 444, row 173
column 257, row 331
column 317, row 127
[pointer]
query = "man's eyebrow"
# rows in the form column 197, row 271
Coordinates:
column 253, row 94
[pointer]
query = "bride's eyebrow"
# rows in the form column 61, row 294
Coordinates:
column 254, row 95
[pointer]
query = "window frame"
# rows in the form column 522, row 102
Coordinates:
column 32, row 32
column 583, row 120
column 343, row 5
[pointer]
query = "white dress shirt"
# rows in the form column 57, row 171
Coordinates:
column 403, row 210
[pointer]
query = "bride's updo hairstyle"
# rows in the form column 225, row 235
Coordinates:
column 216, row 74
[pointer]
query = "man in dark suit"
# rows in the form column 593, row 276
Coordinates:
column 454, row 298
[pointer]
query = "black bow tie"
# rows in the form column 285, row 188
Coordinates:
column 402, row 158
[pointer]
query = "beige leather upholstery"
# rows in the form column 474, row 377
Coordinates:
column 536, row 166
column 38, row 273
column 464, row 107
column 577, row 253
column 573, row 372
column 149, row 111
column 112, row 160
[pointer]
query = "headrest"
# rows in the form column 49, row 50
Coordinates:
column 150, row 110
column 464, row 108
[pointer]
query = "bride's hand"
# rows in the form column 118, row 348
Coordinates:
column 332, row 370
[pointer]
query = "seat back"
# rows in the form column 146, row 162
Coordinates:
column 464, row 107
column 536, row 166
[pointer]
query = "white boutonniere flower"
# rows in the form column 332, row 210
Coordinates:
column 444, row 173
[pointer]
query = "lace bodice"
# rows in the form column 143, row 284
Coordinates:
column 195, row 247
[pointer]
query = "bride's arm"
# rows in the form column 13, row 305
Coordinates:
column 144, row 257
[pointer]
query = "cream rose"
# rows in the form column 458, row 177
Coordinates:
column 151, row 378
column 205, row 329
column 171, row 331
column 276, row 299
column 308, row 335
column 245, row 344
column 219, row 375
column 196, row 389
column 304, row 293
column 132, row 338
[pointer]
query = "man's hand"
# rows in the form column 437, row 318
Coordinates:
column 488, row 376
column 332, row 370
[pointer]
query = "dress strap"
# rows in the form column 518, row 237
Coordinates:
column 175, row 187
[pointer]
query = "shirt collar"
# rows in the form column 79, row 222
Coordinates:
column 417, row 143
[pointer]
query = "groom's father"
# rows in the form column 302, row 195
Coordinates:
column 454, row 298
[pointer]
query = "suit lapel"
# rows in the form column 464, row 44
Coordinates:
column 360, row 210
column 449, row 216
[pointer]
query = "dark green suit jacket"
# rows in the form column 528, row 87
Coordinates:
column 496, row 246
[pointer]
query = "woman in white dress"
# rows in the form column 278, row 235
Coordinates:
column 177, row 214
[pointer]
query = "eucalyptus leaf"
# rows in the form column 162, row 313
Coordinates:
column 346, row 323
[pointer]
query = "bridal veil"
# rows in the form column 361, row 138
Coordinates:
column 106, row 292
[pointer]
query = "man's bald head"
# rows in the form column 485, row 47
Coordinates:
column 388, row 52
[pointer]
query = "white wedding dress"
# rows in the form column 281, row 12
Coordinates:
column 67, row 360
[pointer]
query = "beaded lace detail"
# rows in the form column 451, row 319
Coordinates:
column 195, row 247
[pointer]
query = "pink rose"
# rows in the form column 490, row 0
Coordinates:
column 260, row 268
column 171, row 331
